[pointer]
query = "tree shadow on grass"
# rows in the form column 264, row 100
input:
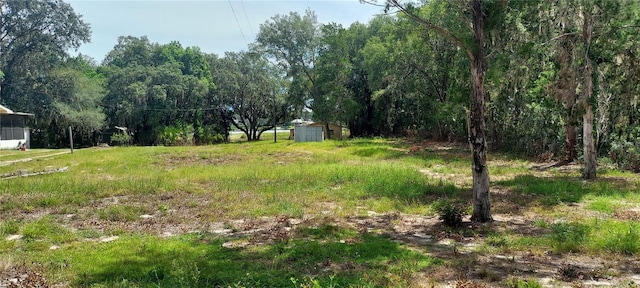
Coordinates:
column 203, row 261
column 412, row 188
column 398, row 148
column 379, row 152
column 528, row 190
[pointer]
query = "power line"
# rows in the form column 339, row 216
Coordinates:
column 238, row 22
column 247, row 17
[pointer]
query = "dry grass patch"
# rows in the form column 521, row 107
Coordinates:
column 194, row 158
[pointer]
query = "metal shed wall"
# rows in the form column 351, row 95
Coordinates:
column 308, row 134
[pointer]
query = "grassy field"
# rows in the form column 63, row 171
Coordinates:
column 357, row 213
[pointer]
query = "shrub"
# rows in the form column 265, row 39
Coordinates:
column 520, row 283
column 178, row 135
column 625, row 150
column 121, row 139
column 208, row 135
column 451, row 214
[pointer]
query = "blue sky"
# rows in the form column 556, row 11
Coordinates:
column 216, row 26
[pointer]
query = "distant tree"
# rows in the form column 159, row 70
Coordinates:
column 74, row 92
column 34, row 36
column 80, row 104
column 250, row 90
column 334, row 74
column 293, row 40
column 156, row 90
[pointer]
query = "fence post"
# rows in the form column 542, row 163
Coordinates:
column 71, row 139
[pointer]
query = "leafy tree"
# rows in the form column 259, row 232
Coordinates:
column 360, row 109
column 34, row 37
column 80, row 106
column 473, row 44
column 333, row 70
column 250, row 91
column 343, row 79
column 156, row 88
column 385, row 76
column 585, row 34
column 293, row 40
column 73, row 92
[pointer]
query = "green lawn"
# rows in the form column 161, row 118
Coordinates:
column 353, row 213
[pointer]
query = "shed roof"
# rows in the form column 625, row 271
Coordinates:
column 6, row 111
column 323, row 123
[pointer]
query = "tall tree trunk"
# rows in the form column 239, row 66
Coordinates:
column 570, row 141
column 587, row 131
column 566, row 91
column 589, row 146
column 477, row 140
column 481, row 203
column 568, row 95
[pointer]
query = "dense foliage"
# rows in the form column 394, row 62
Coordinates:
column 163, row 94
column 548, row 65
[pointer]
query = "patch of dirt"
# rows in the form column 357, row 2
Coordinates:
column 21, row 275
column 193, row 158
column 285, row 158
column 102, row 146
column 452, row 178
column 626, row 215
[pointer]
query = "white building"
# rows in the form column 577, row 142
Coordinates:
column 13, row 130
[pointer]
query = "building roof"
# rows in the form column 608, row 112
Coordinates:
column 300, row 122
column 323, row 123
column 6, row 111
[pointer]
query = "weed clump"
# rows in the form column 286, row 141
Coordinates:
column 451, row 214
column 568, row 237
column 520, row 283
column 9, row 227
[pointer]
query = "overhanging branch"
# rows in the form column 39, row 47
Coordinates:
column 429, row 25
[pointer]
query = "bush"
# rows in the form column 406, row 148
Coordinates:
column 121, row 139
column 208, row 135
column 520, row 283
column 178, row 135
column 451, row 214
column 625, row 150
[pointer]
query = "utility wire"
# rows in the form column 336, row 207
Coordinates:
column 238, row 22
column 247, row 17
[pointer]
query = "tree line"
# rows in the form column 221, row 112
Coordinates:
column 550, row 78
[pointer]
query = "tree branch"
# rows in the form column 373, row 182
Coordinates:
column 429, row 25
column 560, row 36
